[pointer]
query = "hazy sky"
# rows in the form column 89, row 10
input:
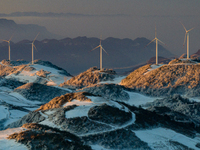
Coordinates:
column 115, row 18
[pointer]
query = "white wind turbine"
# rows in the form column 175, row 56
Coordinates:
column 101, row 48
column 33, row 46
column 187, row 34
column 156, row 39
column 8, row 41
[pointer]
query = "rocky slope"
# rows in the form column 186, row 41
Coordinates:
column 111, row 126
column 178, row 108
column 39, row 92
column 99, row 113
column 179, row 76
column 110, row 91
column 90, row 77
column 42, row 137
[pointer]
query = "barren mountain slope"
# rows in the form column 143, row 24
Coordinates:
column 90, row 77
column 181, row 78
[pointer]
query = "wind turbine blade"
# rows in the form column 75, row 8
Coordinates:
column 4, row 40
column 161, row 42
column 10, row 38
column 190, row 29
column 36, row 37
column 155, row 32
column 104, row 50
column 35, row 48
column 184, row 40
column 150, row 42
column 95, row 48
column 184, row 27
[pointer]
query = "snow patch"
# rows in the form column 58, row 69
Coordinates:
column 116, row 80
column 77, row 102
column 14, row 115
column 6, row 144
column 16, row 99
column 54, row 78
column 50, row 124
column 4, row 113
column 79, row 111
column 5, row 133
column 156, row 138
column 5, row 89
column 195, row 99
column 153, row 67
column 11, row 145
column 98, row 147
column 138, row 99
column 24, row 100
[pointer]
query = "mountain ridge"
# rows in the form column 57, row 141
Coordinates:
column 103, row 114
column 76, row 52
column 20, row 32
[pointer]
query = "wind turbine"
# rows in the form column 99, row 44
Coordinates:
column 8, row 41
column 187, row 34
column 33, row 46
column 156, row 39
column 101, row 48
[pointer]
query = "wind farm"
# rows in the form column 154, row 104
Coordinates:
column 133, row 62
column 119, row 66
column 63, row 86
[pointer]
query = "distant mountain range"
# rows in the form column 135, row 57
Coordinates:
column 23, row 31
column 52, row 14
column 73, row 54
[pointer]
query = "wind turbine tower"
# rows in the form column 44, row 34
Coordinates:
column 33, row 46
column 101, row 48
column 8, row 41
column 187, row 35
column 156, row 39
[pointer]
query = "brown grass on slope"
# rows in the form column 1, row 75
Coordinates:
column 132, row 78
column 6, row 70
column 185, row 76
column 58, row 102
column 90, row 77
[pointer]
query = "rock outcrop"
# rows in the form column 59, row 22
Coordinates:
column 42, row 73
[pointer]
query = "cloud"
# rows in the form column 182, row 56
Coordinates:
column 51, row 14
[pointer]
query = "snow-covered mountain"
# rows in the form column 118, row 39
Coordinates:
column 43, row 107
